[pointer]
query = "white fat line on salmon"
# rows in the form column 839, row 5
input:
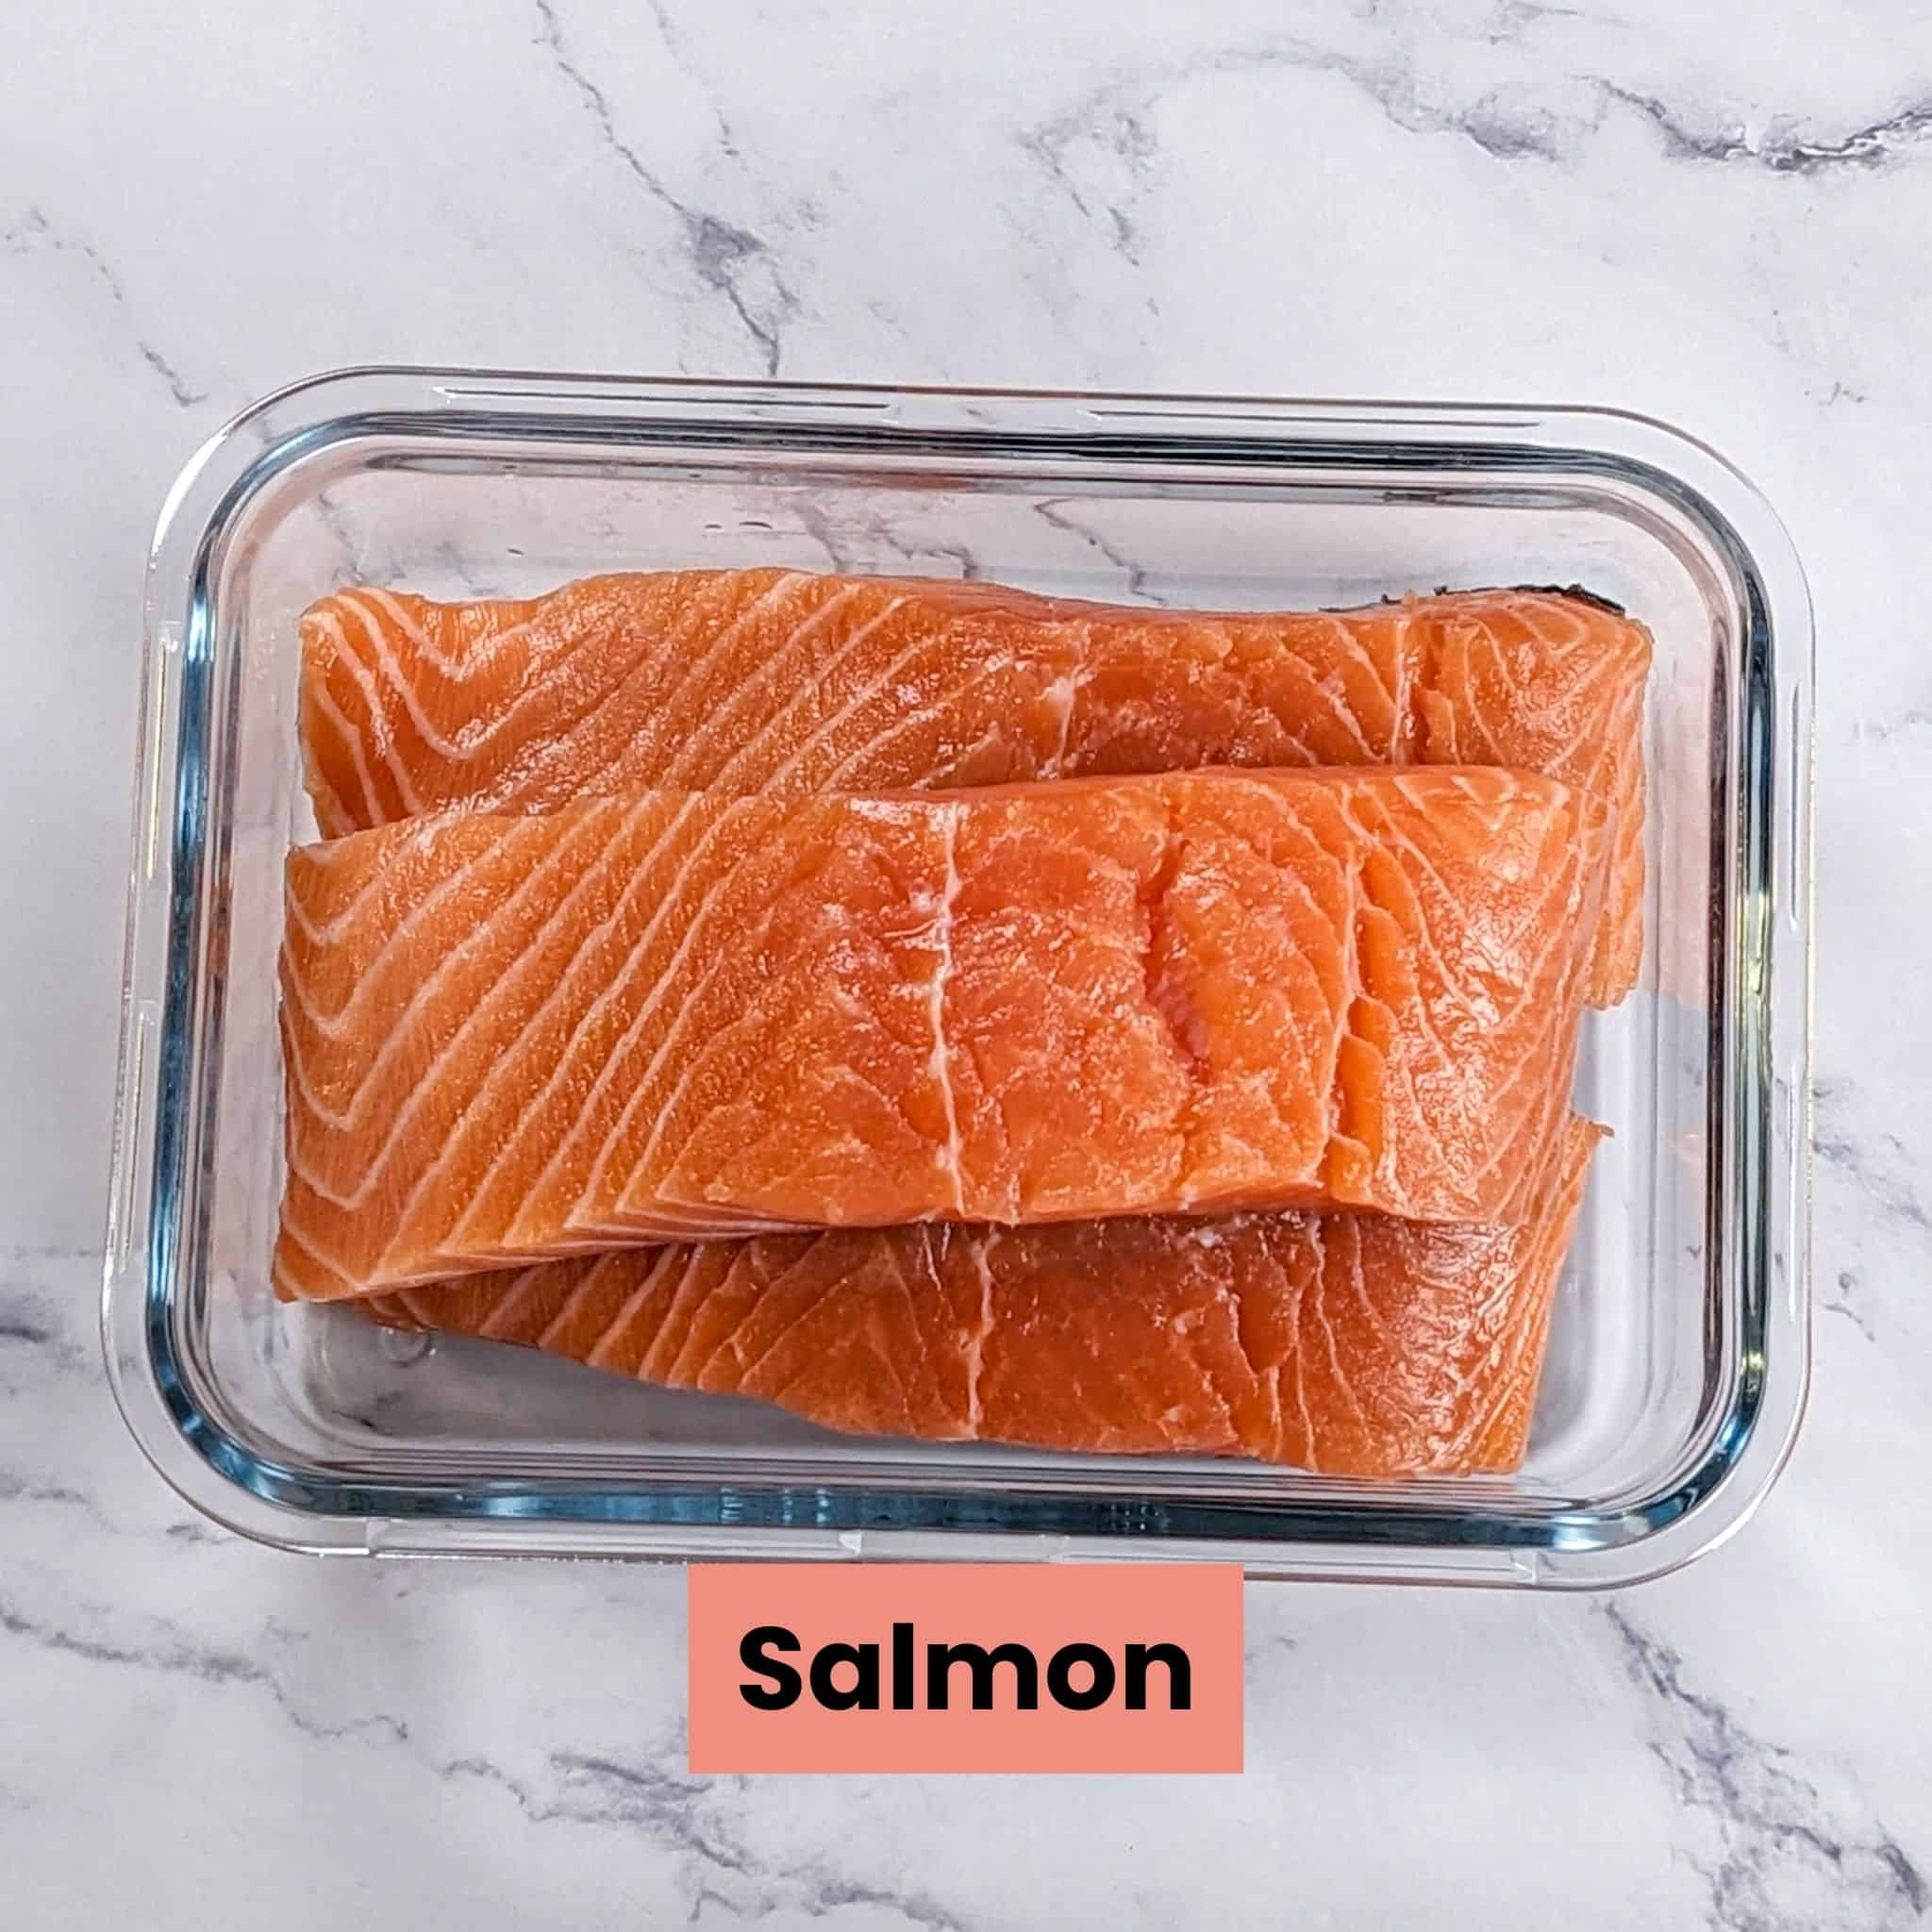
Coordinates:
column 667, row 706
column 388, row 667
column 640, row 1089
column 437, row 1269
column 1333, row 691
column 940, row 1063
column 636, row 883
column 340, row 818
column 909, row 723
column 665, row 1218
column 703, row 1220
column 641, row 870
column 1246, row 785
column 810, row 689
column 598, row 1356
column 667, row 1356
column 1419, row 943
column 691, row 1003
column 1347, row 1230
column 522, row 1286
column 686, row 768
column 477, row 657
column 748, row 1364
column 1060, row 698
column 318, row 1125
column 342, row 1118
column 1318, row 1287
column 346, row 1287
column 1404, row 720
column 365, row 682
column 1546, row 1102
column 345, row 855
column 926, row 641
column 1270, row 1375
column 981, row 1244
column 568, row 668
column 1308, row 1449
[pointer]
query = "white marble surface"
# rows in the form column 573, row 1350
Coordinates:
column 1722, row 214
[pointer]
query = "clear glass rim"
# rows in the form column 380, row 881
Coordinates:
column 1765, row 993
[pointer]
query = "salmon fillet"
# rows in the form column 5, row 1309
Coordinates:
column 1350, row 1344
column 693, row 1015
column 761, row 680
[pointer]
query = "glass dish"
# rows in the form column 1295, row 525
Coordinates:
column 1678, row 1363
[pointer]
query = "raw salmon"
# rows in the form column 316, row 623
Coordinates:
column 694, row 1015
column 1352, row 1344
column 764, row 679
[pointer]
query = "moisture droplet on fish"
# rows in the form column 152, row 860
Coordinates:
column 406, row 1345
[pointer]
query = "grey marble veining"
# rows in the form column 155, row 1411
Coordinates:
column 1717, row 214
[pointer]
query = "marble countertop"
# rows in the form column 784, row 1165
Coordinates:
column 1717, row 214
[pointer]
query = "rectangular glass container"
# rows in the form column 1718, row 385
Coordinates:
column 1679, row 1354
